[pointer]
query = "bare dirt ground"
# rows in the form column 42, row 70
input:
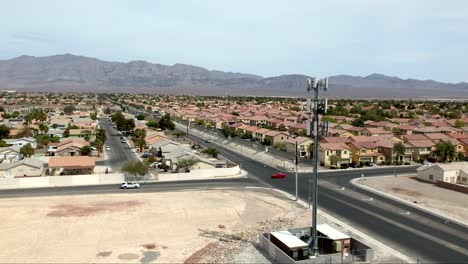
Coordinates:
column 137, row 227
column 445, row 202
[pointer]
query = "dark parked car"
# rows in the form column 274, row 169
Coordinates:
column 344, row 166
column 369, row 164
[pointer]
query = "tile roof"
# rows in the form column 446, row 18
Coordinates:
column 333, row 146
column 414, row 137
column 421, row 143
column 433, row 136
column 71, row 162
column 335, row 140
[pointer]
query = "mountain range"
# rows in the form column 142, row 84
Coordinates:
column 71, row 73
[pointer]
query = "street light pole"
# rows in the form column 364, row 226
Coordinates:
column 316, row 107
column 295, row 161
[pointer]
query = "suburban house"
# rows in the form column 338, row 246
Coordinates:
column 375, row 131
column 258, row 120
column 422, row 148
column 303, row 144
column 340, row 150
column 10, row 154
column 276, row 137
column 60, row 121
column 365, row 152
column 68, row 147
column 406, row 129
column 154, row 141
column 456, row 173
column 29, row 167
column 70, row 165
column 411, row 137
column 386, row 148
column 465, row 145
column 259, row 134
column 335, row 140
column 21, row 142
column 81, row 133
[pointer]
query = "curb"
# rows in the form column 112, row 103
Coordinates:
column 398, row 199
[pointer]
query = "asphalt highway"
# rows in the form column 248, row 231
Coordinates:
column 119, row 152
column 420, row 235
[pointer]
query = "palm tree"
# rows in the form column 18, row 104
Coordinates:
column 139, row 138
column 99, row 143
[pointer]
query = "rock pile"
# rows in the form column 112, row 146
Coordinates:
column 225, row 249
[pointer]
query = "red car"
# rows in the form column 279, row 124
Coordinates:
column 278, row 175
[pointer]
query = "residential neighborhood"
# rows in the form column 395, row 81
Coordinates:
column 360, row 133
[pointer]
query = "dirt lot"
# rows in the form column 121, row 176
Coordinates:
column 123, row 228
column 449, row 203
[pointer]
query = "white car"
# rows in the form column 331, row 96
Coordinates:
column 107, row 148
column 130, row 185
column 156, row 165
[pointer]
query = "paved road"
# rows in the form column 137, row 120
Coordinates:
column 120, row 153
column 114, row 188
column 417, row 234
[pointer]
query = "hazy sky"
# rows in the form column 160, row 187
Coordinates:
column 424, row 39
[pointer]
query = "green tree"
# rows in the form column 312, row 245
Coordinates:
column 459, row 123
column 136, row 168
column 211, row 152
column 334, row 159
column 107, row 111
column 3, row 144
column 93, row 115
column 43, row 140
column 280, row 146
column 69, row 109
column 266, row 142
column 152, row 123
column 4, row 131
column 43, row 128
column 66, row 132
column 85, row 150
column 186, row 163
column 55, row 139
column 246, row 135
column 27, row 150
column 141, row 116
column 139, row 138
column 399, row 149
column 28, row 119
column 179, row 134
column 166, row 123
column 445, row 150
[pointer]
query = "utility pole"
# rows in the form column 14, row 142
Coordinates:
column 188, row 124
column 295, row 161
column 315, row 108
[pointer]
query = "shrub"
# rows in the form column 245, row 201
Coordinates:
column 407, row 163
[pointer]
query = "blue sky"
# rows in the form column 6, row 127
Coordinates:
column 422, row 39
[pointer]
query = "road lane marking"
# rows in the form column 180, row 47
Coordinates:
column 439, row 241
